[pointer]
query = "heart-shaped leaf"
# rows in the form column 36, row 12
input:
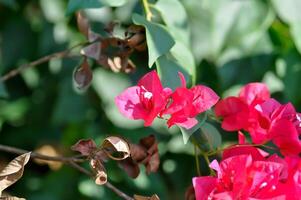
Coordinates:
column 175, row 18
column 186, row 133
column 159, row 41
column 207, row 137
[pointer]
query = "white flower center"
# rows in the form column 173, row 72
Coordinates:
column 148, row 95
column 299, row 120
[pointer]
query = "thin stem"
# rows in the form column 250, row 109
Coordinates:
column 71, row 161
column 14, row 150
column 240, row 145
column 147, row 10
column 118, row 192
column 61, row 54
column 197, row 161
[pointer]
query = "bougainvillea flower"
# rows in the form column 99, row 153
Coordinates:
column 282, row 125
column 188, row 103
column 238, row 112
column 263, row 117
column 144, row 101
column 243, row 177
column 254, row 93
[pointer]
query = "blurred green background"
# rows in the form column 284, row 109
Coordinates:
column 233, row 42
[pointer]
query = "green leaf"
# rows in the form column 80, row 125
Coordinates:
column 75, row 5
column 186, row 133
column 291, row 79
column 208, row 137
column 289, row 11
column 180, row 59
column 3, row 92
column 159, row 40
column 224, row 29
column 175, row 18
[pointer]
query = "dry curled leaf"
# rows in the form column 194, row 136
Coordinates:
column 82, row 24
column 13, row 171
column 100, row 173
column 146, row 153
column 135, row 37
column 83, row 75
column 85, row 147
column 130, row 167
column 116, row 148
column 153, row 197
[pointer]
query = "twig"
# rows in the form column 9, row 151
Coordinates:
column 118, row 192
column 61, row 54
column 71, row 161
column 147, row 10
column 40, row 156
column 197, row 162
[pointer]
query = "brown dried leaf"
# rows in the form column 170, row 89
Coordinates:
column 138, row 197
column 116, row 148
column 82, row 24
column 138, row 152
column 135, row 37
column 152, row 160
column 13, row 171
column 92, row 51
column 83, row 75
column 101, row 175
column 146, row 153
column 85, row 147
column 130, row 167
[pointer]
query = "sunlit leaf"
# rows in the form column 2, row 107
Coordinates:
column 175, row 17
column 289, row 11
column 74, row 5
column 159, row 40
column 224, row 30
